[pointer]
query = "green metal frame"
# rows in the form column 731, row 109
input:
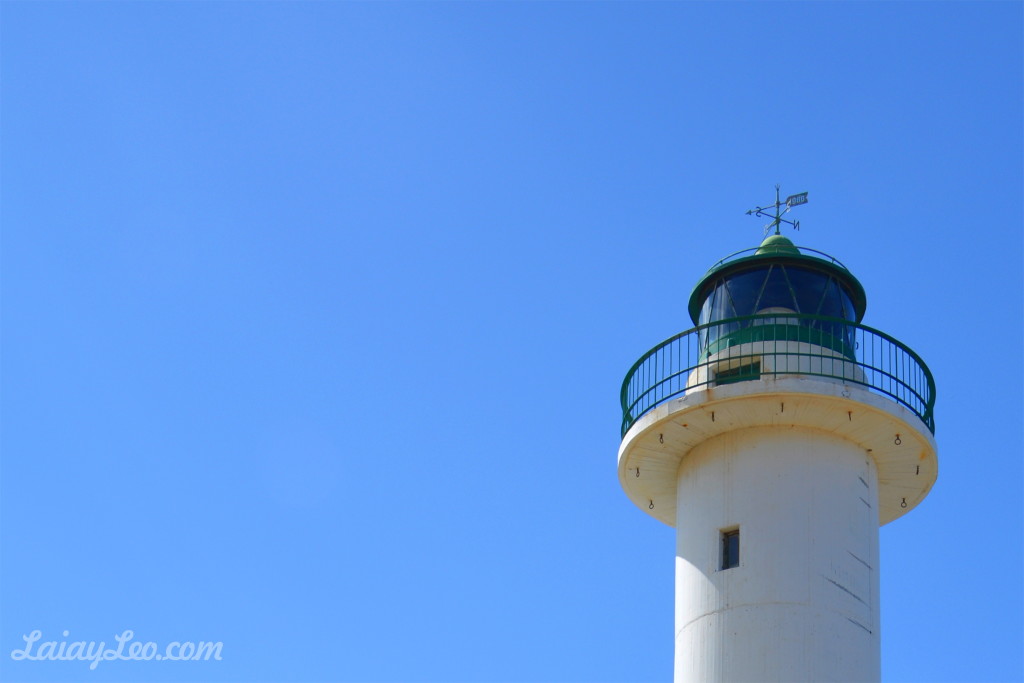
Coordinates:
column 887, row 366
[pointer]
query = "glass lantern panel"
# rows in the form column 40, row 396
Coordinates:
column 808, row 286
column 832, row 303
column 745, row 289
column 723, row 307
column 776, row 293
column 848, row 311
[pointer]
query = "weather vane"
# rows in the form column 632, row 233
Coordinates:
column 777, row 220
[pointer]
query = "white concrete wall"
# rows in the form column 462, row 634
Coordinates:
column 803, row 605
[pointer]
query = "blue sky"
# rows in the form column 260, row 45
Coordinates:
column 314, row 317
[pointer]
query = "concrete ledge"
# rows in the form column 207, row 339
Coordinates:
column 656, row 444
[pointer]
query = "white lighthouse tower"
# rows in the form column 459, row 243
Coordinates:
column 776, row 436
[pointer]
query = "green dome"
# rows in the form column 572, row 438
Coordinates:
column 777, row 245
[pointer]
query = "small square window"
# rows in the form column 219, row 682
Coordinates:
column 730, row 549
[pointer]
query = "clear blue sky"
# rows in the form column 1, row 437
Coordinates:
column 315, row 314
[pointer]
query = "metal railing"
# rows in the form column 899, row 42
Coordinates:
column 778, row 250
column 793, row 344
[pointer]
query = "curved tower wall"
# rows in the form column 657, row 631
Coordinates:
column 802, row 604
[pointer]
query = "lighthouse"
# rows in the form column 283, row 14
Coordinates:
column 777, row 435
